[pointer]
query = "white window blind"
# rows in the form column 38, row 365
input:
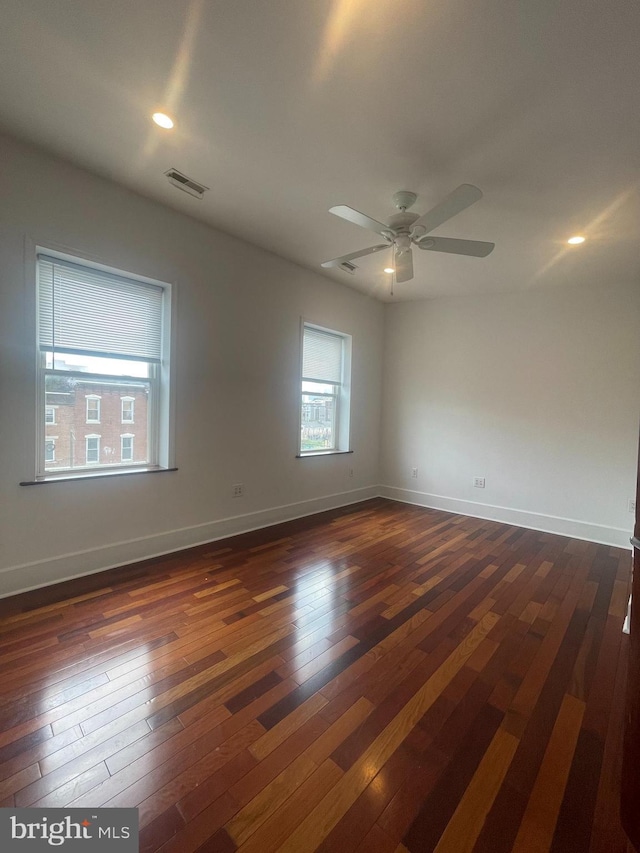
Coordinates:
column 322, row 356
column 92, row 312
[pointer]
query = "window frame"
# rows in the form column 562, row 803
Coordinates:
column 50, row 440
column 91, row 398
column 51, row 409
column 132, row 401
column 131, row 437
column 87, row 439
column 161, row 411
column 341, row 396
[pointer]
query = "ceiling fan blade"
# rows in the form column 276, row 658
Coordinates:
column 457, row 201
column 351, row 215
column 404, row 266
column 474, row 248
column 352, row 255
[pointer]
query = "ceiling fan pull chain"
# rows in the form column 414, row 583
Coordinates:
column 393, row 267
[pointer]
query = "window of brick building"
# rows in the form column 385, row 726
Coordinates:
column 93, row 409
column 127, row 410
column 126, row 448
column 92, row 453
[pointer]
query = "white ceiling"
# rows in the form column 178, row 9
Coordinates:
column 287, row 107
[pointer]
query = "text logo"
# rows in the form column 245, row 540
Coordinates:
column 36, row 830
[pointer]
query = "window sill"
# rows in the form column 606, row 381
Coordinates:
column 322, row 453
column 94, row 475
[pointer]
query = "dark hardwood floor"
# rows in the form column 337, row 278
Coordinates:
column 380, row 678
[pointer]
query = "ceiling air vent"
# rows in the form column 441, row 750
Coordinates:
column 187, row 184
column 348, row 267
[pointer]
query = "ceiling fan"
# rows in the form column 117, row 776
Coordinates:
column 405, row 229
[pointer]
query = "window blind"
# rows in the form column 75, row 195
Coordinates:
column 321, row 356
column 92, row 312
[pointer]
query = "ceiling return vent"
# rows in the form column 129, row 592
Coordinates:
column 187, row 184
column 347, row 266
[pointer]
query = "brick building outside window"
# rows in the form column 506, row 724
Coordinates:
column 96, row 423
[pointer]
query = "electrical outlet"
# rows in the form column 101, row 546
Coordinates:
column 237, row 491
column 414, row 473
column 632, row 505
column 478, row 482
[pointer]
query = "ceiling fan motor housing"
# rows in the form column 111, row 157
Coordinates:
column 402, row 221
column 403, row 243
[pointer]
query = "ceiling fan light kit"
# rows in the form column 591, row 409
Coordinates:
column 405, row 229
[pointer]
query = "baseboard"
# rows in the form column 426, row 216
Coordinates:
column 41, row 573
column 64, row 567
column 600, row 533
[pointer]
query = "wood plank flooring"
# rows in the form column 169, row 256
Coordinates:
column 381, row 678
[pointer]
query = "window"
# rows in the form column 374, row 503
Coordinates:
column 50, row 450
column 93, row 409
column 103, row 339
column 325, row 403
column 92, row 449
column 126, row 411
column 126, row 448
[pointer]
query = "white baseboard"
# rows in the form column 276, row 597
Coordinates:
column 40, row 573
column 626, row 628
column 64, row 567
column 600, row 533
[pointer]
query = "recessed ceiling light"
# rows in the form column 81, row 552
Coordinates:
column 575, row 241
column 389, row 269
column 163, row 120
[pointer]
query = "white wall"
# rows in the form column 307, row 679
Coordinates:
column 537, row 391
column 237, row 361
